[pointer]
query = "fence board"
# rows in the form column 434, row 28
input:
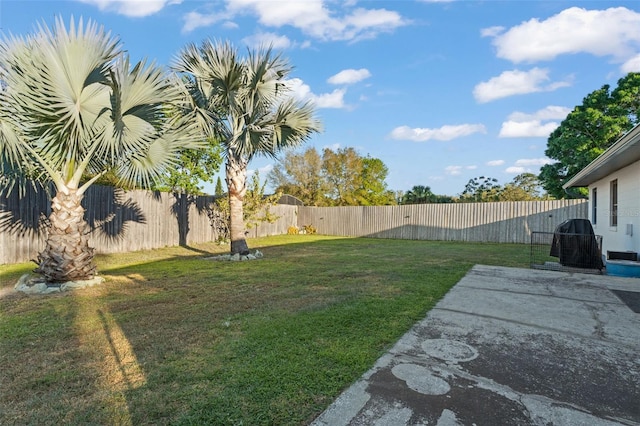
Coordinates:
column 123, row 221
column 504, row 222
column 120, row 221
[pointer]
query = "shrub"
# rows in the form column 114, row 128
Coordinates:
column 309, row 229
column 292, row 230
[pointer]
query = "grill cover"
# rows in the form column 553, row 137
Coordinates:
column 575, row 244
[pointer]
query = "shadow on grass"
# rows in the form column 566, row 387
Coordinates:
column 173, row 337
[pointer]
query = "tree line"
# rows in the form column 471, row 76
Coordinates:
column 345, row 178
column 336, row 178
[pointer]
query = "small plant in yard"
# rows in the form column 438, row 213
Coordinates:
column 169, row 340
column 293, row 230
column 309, row 229
column 256, row 210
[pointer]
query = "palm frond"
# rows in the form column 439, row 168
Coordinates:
column 244, row 101
column 293, row 124
column 54, row 87
column 265, row 69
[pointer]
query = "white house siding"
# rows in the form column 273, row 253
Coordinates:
column 616, row 238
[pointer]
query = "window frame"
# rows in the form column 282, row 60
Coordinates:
column 613, row 197
column 594, row 205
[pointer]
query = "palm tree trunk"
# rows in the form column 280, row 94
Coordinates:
column 67, row 255
column 236, row 170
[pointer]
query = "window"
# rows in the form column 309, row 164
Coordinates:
column 613, row 221
column 594, row 206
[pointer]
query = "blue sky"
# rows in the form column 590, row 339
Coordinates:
column 440, row 91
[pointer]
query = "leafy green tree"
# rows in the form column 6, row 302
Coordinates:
column 195, row 167
column 588, row 131
column 373, row 190
column 419, row 194
column 523, row 187
column 341, row 177
column 245, row 103
column 72, row 105
column 342, row 170
column 481, row 189
column 219, row 191
column 300, row 175
column 257, row 205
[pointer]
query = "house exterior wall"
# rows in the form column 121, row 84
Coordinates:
column 617, row 238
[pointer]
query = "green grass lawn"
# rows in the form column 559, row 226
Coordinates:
column 172, row 337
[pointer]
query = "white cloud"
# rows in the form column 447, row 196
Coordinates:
column 526, row 129
column 528, row 162
column 516, row 82
column 230, row 25
column 453, row 170
column 444, row 133
column 268, row 39
column 457, row 170
column 515, row 170
column 611, row 32
column 194, row 20
column 494, row 163
column 299, row 88
column 528, row 165
column 631, row 65
column 551, row 112
column 349, row 76
column 132, row 8
column 334, row 99
column 522, row 125
column 491, row 31
column 262, row 171
column 313, row 18
column 302, row 91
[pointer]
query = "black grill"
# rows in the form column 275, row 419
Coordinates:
column 573, row 246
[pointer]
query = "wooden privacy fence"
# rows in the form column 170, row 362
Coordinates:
column 124, row 221
column 504, row 222
column 120, row 221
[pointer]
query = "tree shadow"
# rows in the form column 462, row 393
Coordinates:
column 107, row 211
column 25, row 213
column 180, row 210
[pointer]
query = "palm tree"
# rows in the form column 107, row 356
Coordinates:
column 246, row 104
column 419, row 194
column 72, row 105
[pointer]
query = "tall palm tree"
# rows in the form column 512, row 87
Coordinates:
column 72, row 105
column 246, row 104
column 419, row 194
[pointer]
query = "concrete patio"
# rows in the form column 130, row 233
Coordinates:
column 510, row 346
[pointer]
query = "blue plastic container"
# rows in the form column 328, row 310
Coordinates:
column 623, row 268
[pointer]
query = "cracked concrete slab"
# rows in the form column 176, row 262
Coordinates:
column 508, row 346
